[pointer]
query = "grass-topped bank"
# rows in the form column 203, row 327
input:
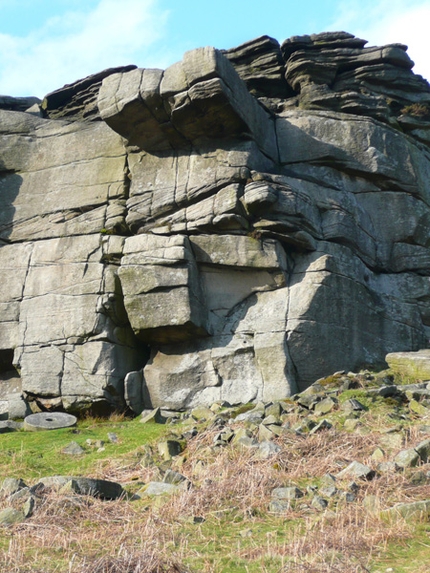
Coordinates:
column 317, row 483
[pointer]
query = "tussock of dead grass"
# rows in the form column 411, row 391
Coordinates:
column 324, row 452
column 128, row 563
column 90, row 535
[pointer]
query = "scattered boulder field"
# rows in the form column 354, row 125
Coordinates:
column 336, row 406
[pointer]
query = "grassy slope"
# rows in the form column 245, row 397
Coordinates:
column 221, row 524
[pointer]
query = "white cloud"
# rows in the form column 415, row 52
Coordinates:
column 391, row 21
column 79, row 43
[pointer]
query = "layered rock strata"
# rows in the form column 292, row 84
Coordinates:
column 250, row 220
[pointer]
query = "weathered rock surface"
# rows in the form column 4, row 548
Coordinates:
column 78, row 101
column 229, row 229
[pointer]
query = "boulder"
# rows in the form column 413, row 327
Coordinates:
column 103, row 489
column 412, row 364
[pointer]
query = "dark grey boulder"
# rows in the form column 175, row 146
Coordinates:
column 103, row 489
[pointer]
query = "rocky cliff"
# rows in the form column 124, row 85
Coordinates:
column 231, row 228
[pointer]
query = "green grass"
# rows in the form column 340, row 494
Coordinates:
column 31, row 455
column 406, row 556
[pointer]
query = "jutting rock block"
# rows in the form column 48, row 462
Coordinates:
column 231, row 228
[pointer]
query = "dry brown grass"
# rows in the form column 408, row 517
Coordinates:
column 231, row 492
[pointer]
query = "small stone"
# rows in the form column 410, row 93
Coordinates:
column 420, row 478
column 264, row 433
column 73, row 449
column 292, row 492
column 21, row 494
column 6, row 427
column 351, row 424
column 329, row 491
column 241, row 433
column 388, row 391
column 319, row 502
column 393, row 439
column 268, row 449
column 418, row 408
column 323, row 425
column 173, row 477
column 277, row 430
column 407, row 458
column 353, row 487
column 247, row 442
column 378, row 455
column 113, row 438
column 10, row 516
column 224, row 437
column 306, row 426
column 353, row 405
column 279, row 506
column 11, row 486
column 252, row 416
column 169, row 449
column 189, row 434
column 29, row 507
column 173, row 415
column 201, row 414
column 357, row 470
column 54, row 482
column 325, row 406
column 271, row 420
column 153, row 416
column 414, row 510
column 156, row 488
column 423, row 450
column 274, row 409
column 328, row 479
column 308, row 401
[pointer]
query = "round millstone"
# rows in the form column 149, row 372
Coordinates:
column 49, row 421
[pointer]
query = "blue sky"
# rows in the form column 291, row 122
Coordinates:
column 45, row 44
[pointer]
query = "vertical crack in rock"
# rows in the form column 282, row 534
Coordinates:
column 291, row 371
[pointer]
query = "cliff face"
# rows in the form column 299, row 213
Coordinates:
column 231, row 228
